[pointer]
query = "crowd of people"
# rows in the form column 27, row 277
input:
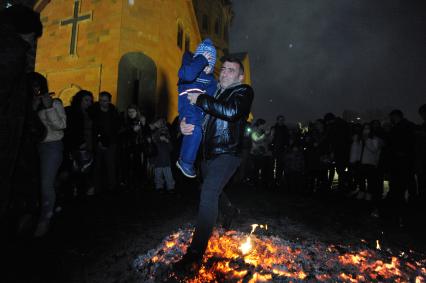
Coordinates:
column 89, row 148
column 352, row 158
column 56, row 154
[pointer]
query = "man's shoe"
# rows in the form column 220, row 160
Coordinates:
column 229, row 217
column 189, row 265
column 186, row 170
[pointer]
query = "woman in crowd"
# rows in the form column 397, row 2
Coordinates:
column 370, row 156
column 355, row 179
column 79, row 141
column 52, row 114
column 133, row 137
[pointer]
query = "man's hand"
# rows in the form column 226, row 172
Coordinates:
column 185, row 128
column 192, row 97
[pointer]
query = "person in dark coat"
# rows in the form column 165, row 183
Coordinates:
column 78, row 143
column 339, row 140
column 280, row 141
column 133, row 137
column 317, row 157
column 106, row 124
column 401, row 145
column 15, row 105
column 223, row 137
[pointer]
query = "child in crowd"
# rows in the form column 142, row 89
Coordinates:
column 195, row 76
column 162, row 172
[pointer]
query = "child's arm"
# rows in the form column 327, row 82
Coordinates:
column 191, row 67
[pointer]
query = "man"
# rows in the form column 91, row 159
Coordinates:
column 106, row 123
column 224, row 126
column 338, row 139
column 420, row 156
column 401, row 145
column 16, row 22
column 280, row 141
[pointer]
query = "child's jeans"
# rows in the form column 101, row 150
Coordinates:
column 163, row 176
column 190, row 145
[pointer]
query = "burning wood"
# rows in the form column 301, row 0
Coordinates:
column 237, row 257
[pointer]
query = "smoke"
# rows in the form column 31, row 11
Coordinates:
column 312, row 57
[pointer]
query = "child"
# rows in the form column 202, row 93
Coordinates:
column 195, row 76
column 162, row 172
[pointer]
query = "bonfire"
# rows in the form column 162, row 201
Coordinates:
column 234, row 256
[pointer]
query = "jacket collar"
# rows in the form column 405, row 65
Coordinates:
column 221, row 90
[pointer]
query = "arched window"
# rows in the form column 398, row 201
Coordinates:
column 180, row 36
column 187, row 42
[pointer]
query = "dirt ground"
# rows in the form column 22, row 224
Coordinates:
column 97, row 239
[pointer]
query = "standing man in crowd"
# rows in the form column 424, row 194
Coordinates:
column 106, row 123
column 15, row 106
column 421, row 156
column 401, row 148
column 224, row 127
column 280, row 142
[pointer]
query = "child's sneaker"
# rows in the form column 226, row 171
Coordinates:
column 186, row 170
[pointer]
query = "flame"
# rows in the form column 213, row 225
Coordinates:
column 237, row 257
column 246, row 246
column 378, row 245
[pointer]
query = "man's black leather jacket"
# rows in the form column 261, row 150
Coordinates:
column 225, row 122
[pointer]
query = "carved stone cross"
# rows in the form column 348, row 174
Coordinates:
column 74, row 25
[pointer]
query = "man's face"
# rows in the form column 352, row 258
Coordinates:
column 230, row 74
column 104, row 101
column 423, row 115
column 86, row 102
column 132, row 113
column 280, row 121
column 395, row 119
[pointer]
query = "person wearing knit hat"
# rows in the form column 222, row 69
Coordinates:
column 195, row 76
column 207, row 49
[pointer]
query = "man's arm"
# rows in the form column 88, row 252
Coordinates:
column 230, row 111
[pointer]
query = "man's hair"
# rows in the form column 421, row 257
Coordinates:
column 259, row 122
column 397, row 113
column 280, row 117
column 37, row 78
column 422, row 109
column 105, row 93
column 329, row 116
column 235, row 60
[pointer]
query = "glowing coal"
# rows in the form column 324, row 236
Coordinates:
column 237, row 257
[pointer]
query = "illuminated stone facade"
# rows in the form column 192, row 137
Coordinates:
column 130, row 48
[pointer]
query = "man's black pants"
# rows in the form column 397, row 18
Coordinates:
column 216, row 174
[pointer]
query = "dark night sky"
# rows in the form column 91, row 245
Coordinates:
column 311, row 57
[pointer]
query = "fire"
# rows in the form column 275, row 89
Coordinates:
column 237, row 257
column 378, row 245
column 246, row 246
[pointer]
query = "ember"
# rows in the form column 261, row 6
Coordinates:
column 237, row 257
